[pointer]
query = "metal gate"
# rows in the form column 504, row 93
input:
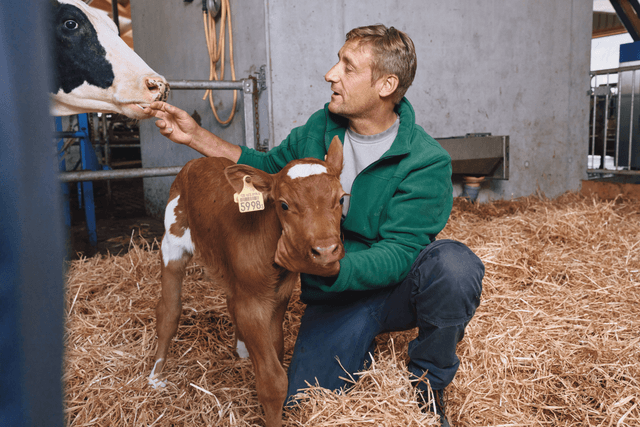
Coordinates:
column 614, row 125
column 249, row 92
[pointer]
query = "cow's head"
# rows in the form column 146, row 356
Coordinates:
column 94, row 69
column 308, row 199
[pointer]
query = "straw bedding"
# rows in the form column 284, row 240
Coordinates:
column 555, row 342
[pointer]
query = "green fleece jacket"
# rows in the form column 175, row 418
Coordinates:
column 398, row 204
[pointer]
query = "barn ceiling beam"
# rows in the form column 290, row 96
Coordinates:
column 628, row 12
column 606, row 24
column 124, row 8
column 123, row 14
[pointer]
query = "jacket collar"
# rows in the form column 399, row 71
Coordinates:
column 337, row 125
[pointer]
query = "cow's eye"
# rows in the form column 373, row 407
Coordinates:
column 285, row 207
column 342, row 200
column 70, row 24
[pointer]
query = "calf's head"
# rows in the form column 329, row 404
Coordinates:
column 93, row 68
column 308, row 198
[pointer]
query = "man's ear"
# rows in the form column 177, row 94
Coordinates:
column 388, row 85
column 261, row 181
column 334, row 156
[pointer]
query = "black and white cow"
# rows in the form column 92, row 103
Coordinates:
column 94, row 69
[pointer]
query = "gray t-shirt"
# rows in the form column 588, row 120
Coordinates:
column 360, row 151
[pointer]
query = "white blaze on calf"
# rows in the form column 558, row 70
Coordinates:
column 174, row 247
column 304, row 170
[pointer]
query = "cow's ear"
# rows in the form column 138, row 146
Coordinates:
column 261, row 181
column 334, row 156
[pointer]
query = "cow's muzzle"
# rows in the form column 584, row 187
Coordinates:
column 158, row 87
column 327, row 254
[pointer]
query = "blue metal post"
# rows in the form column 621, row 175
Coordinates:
column 89, row 162
column 31, row 234
column 62, row 166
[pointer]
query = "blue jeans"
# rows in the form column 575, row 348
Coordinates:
column 439, row 296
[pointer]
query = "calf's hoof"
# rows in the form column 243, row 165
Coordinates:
column 154, row 378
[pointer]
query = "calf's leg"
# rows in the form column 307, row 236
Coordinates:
column 168, row 312
column 253, row 325
column 277, row 333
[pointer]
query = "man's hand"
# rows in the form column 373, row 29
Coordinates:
column 181, row 128
column 174, row 123
column 284, row 259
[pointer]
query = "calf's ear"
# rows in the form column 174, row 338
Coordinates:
column 334, row 156
column 261, row 181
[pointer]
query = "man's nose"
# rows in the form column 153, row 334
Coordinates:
column 331, row 75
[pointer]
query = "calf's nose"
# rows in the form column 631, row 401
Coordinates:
column 326, row 254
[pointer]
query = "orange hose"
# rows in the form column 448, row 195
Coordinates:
column 216, row 54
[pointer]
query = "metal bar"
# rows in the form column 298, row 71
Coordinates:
column 613, row 70
column 206, row 84
column 505, row 157
column 627, row 16
column 89, row 162
column 633, row 84
column 107, row 151
column 249, row 91
column 32, row 268
column 593, row 126
column 618, row 119
column 69, row 134
column 97, row 144
column 606, row 123
column 248, row 87
column 114, row 12
column 118, row 174
column 125, row 140
column 616, row 172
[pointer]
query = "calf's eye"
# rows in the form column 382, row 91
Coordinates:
column 284, row 206
column 342, row 200
column 70, row 24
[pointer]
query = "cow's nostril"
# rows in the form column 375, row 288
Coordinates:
column 158, row 87
column 152, row 85
column 315, row 252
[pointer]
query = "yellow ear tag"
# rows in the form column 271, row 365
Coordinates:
column 249, row 199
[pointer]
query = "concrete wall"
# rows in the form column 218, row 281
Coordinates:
column 169, row 36
column 509, row 67
column 517, row 68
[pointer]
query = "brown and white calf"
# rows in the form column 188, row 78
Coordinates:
column 94, row 69
column 302, row 206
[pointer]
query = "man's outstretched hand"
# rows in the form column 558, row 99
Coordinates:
column 174, row 123
column 181, row 128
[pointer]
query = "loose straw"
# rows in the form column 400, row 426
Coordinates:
column 554, row 342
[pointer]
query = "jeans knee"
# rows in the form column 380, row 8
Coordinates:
column 449, row 283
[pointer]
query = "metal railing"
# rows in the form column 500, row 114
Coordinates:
column 611, row 148
column 249, row 91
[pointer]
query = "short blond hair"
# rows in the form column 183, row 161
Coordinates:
column 393, row 53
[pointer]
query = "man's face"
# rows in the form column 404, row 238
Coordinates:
column 353, row 94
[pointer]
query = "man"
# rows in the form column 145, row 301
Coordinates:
column 395, row 275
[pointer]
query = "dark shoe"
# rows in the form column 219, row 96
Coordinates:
column 439, row 403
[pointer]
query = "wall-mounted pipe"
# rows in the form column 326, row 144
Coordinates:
column 118, row 174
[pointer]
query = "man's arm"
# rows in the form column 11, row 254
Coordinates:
column 181, row 128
